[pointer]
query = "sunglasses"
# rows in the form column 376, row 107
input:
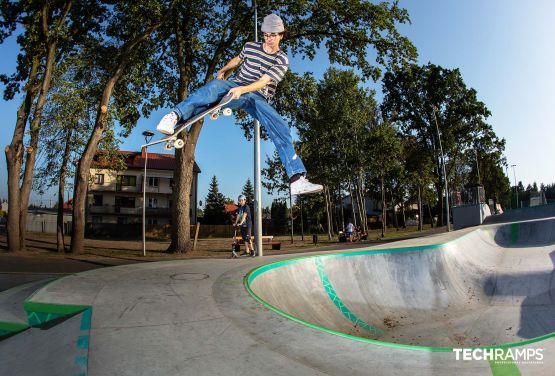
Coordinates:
column 271, row 35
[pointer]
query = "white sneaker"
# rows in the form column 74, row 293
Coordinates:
column 167, row 124
column 302, row 186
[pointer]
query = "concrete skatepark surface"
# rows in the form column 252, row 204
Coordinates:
column 394, row 310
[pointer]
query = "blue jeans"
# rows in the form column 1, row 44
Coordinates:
column 256, row 105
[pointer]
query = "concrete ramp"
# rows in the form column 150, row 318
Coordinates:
column 493, row 286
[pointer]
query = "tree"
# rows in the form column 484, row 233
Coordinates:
column 120, row 55
column 214, row 210
column 248, row 192
column 204, row 34
column 383, row 159
column 50, row 32
column 279, row 217
column 68, row 116
column 418, row 95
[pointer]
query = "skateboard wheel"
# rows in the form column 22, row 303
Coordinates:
column 178, row 144
column 226, row 112
column 214, row 115
column 168, row 146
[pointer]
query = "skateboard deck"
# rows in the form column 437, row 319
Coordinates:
column 171, row 141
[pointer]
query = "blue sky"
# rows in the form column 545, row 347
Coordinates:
column 504, row 49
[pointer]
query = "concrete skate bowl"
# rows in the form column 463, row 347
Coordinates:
column 492, row 287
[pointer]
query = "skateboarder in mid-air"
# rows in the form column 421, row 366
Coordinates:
column 263, row 66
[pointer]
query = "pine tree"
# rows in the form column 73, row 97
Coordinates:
column 214, row 212
column 248, row 191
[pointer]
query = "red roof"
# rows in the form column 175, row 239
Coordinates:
column 136, row 160
column 230, row 208
column 68, row 204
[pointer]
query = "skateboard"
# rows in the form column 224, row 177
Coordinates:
column 171, row 141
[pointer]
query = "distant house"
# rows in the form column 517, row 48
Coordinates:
column 117, row 196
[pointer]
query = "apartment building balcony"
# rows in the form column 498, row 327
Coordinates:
column 118, row 210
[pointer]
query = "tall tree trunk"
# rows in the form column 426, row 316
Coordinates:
column 431, row 216
column 183, row 175
column 342, row 208
column 384, row 208
column 361, row 209
column 352, row 204
column 60, row 244
column 404, row 214
column 14, row 159
column 420, row 211
column 83, row 167
column 328, row 212
column 27, row 183
column 363, row 199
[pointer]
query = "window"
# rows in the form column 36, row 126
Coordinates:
column 99, row 179
column 122, row 220
column 127, row 180
column 153, row 182
column 97, row 200
column 152, row 221
column 172, row 184
column 170, row 203
column 96, row 219
column 125, row 202
column 153, row 203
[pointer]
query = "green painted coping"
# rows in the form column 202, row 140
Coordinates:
column 253, row 274
column 41, row 313
column 9, row 328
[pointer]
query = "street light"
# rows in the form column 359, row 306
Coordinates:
column 434, row 108
column 148, row 136
column 508, row 177
column 516, row 186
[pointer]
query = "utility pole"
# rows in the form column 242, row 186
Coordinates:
column 434, row 108
column 516, row 187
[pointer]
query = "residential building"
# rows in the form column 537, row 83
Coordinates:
column 116, row 197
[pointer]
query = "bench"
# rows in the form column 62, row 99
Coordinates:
column 266, row 240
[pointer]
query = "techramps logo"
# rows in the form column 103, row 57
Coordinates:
column 502, row 356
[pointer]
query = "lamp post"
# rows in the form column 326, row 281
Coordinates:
column 508, row 177
column 148, row 136
column 257, row 175
column 434, row 108
column 516, row 186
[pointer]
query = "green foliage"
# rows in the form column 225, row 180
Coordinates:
column 248, row 191
column 279, row 215
column 275, row 178
column 214, row 213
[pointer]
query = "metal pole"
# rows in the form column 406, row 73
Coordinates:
column 516, row 187
column 144, row 203
column 257, row 177
column 434, row 108
column 478, row 167
column 148, row 136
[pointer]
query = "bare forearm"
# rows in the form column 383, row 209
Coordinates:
column 257, row 85
column 230, row 65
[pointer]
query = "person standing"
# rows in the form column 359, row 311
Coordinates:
column 263, row 66
column 244, row 222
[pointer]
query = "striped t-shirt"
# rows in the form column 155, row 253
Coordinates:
column 256, row 62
